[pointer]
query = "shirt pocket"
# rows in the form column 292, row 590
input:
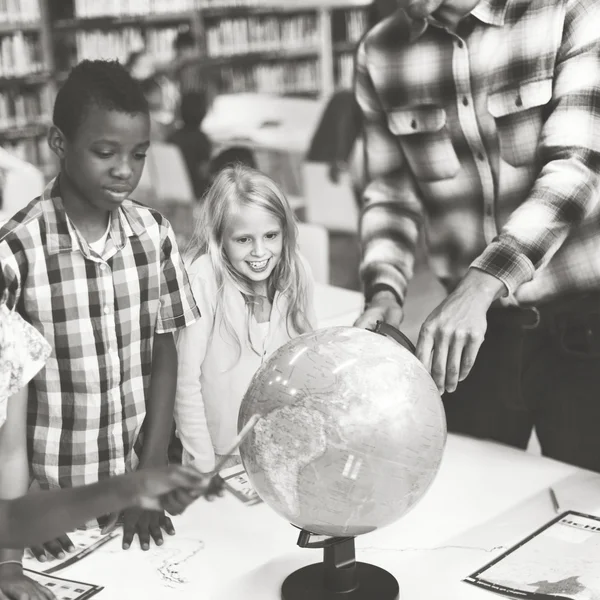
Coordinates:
column 425, row 140
column 518, row 113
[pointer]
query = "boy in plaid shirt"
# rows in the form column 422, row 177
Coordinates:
column 101, row 278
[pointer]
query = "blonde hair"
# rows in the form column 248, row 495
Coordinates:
column 235, row 186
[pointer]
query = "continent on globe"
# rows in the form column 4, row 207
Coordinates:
column 352, row 434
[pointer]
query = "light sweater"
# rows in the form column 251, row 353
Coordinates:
column 210, row 382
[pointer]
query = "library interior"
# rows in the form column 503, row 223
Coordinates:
column 273, row 85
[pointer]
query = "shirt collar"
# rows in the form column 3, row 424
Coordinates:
column 60, row 234
column 492, row 12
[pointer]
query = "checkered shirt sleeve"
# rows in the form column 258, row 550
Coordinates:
column 177, row 305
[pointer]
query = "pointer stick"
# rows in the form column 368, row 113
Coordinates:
column 248, row 427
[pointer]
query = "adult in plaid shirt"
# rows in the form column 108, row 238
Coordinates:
column 101, row 278
column 482, row 126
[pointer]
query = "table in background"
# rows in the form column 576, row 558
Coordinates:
column 485, row 498
column 336, row 306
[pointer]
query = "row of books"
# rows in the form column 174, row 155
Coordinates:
column 344, row 70
column 120, row 43
column 356, row 24
column 85, row 9
column 287, row 78
column 20, row 55
column 256, row 34
column 19, row 109
column 19, row 11
column 113, row 44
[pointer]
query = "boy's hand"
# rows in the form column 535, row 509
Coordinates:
column 146, row 524
column 14, row 585
column 56, row 548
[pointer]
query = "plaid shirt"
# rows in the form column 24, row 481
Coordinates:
column 491, row 135
column 100, row 314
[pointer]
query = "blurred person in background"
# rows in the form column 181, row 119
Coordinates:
column 192, row 141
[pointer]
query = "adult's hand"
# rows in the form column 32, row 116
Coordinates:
column 451, row 336
column 382, row 307
column 56, row 548
column 14, row 585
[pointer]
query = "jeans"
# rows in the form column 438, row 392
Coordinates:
column 536, row 368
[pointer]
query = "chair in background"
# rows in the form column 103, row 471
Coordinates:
column 313, row 242
column 165, row 176
column 327, row 203
column 165, row 185
column 21, row 183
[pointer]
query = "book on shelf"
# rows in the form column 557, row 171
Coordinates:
column 89, row 9
column 261, row 34
column 19, row 11
column 20, row 55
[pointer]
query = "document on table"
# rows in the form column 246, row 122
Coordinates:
column 237, row 482
column 559, row 560
column 85, row 542
column 64, row 589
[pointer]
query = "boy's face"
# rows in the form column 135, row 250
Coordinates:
column 103, row 162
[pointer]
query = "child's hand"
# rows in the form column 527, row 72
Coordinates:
column 14, row 585
column 146, row 523
column 56, row 548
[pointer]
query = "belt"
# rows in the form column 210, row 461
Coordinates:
column 545, row 313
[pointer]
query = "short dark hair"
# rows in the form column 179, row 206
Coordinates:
column 103, row 83
column 184, row 39
column 193, row 108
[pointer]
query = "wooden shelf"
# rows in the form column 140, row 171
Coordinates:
column 32, row 130
column 260, row 56
column 37, row 78
column 109, row 22
column 345, row 46
column 10, row 27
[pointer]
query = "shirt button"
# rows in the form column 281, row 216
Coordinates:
column 459, row 43
column 465, row 101
column 480, row 156
column 518, row 101
column 106, row 309
column 413, row 124
column 102, row 267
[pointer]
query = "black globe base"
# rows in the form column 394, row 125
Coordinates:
column 373, row 583
column 339, row 576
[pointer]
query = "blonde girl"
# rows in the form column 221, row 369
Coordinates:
column 254, row 292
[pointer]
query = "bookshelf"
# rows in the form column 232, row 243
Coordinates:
column 26, row 86
column 299, row 47
column 284, row 47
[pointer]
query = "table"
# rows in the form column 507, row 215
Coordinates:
column 485, row 497
column 336, row 306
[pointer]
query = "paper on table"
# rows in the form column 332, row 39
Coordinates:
column 65, row 589
column 85, row 542
column 559, row 560
column 237, row 482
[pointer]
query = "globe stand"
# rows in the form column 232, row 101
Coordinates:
column 339, row 576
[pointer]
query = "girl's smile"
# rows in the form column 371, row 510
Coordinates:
column 253, row 243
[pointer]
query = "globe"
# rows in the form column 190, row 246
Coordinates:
column 351, row 434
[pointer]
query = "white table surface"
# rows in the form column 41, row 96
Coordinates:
column 336, row 306
column 485, row 498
